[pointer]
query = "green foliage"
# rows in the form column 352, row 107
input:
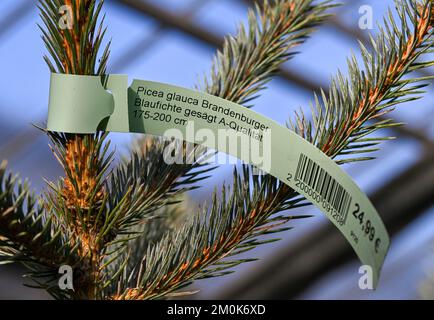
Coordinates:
column 345, row 117
column 250, row 59
column 29, row 236
column 231, row 225
column 362, row 98
column 147, row 183
column 74, row 50
column 272, row 31
column 71, row 213
column 26, row 231
column 118, row 227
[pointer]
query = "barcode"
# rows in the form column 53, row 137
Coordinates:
column 332, row 194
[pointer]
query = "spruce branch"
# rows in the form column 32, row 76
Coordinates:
column 79, row 199
column 233, row 222
column 107, row 221
column 146, row 183
column 23, row 226
column 232, row 225
column 168, row 219
column 74, row 49
column 346, row 116
column 240, row 71
column 80, row 202
column 31, row 237
column 248, row 61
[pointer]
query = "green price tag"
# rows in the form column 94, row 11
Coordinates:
column 82, row 104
